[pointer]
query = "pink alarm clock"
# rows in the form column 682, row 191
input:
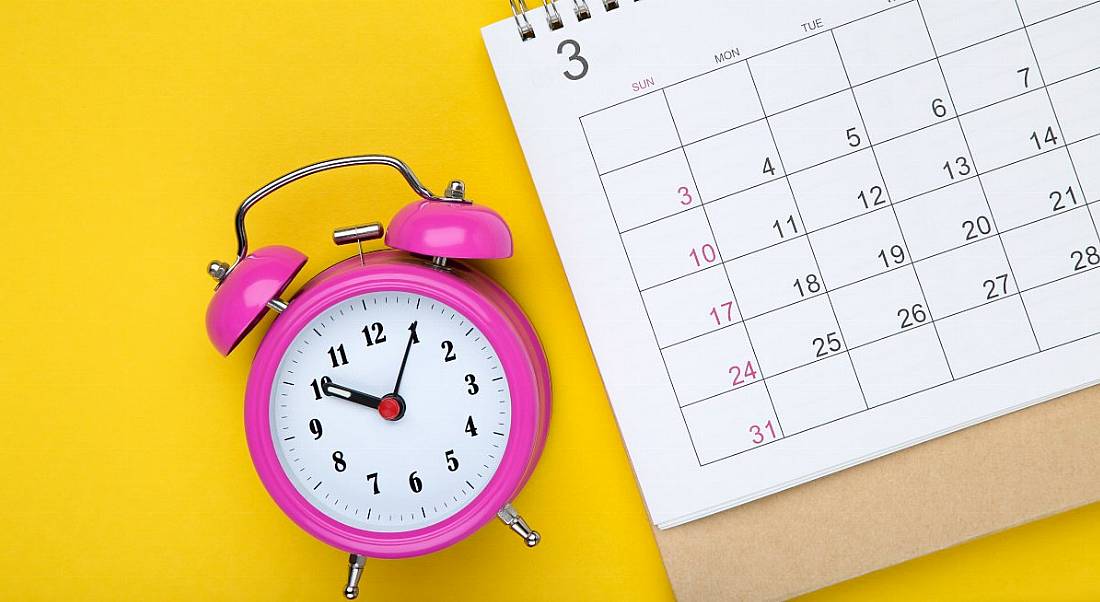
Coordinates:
column 401, row 398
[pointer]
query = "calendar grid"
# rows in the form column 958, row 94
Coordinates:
column 751, row 56
column 946, row 251
column 894, row 202
column 835, row 27
column 977, row 109
column 883, row 273
column 902, row 398
column 860, row 150
column 1057, row 120
column 893, row 208
column 721, row 262
column 981, row 184
column 817, row 264
column 929, row 322
column 649, row 318
column 802, row 233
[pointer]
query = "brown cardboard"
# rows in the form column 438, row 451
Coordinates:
column 986, row 478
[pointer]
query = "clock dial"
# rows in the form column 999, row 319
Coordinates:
column 390, row 411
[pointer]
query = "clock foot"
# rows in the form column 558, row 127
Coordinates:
column 355, row 571
column 511, row 518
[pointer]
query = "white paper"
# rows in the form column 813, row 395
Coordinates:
column 805, row 234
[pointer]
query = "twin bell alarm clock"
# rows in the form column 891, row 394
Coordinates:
column 400, row 400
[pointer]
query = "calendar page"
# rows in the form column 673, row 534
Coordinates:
column 804, row 234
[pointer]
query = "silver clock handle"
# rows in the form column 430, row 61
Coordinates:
column 219, row 270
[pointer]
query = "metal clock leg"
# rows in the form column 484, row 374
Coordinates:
column 355, row 571
column 510, row 517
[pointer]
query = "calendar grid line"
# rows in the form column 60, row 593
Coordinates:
column 885, row 272
column 839, row 26
column 906, row 396
column 893, row 209
column 718, row 251
column 859, row 280
column 766, row 115
column 817, row 264
column 751, row 56
column 826, row 97
column 930, row 322
column 893, row 201
column 1061, row 14
column 985, row 195
column 865, row 278
column 978, row 172
column 703, row 334
column 1058, row 122
column 943, row 120
column 924, row 258
column 641, row 299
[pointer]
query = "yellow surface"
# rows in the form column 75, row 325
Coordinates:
column 129, row 131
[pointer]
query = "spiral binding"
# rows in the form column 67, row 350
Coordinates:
column 553, row 17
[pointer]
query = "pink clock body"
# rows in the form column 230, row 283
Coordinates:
column 491, row 310
column 425, row 239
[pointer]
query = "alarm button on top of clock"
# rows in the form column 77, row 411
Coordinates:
column 457, row 229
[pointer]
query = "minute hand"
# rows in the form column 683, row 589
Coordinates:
column 404, row 360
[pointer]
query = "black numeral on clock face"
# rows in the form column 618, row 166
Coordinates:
column 373, row 334
column 448, row 351
column 338, row 462
column 337, row 356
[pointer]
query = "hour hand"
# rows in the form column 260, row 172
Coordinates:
column 334, row 390
column 390, row 407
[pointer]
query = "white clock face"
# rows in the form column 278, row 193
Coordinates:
column 380, row 448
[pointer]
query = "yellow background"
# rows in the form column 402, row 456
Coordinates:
column 129, row 131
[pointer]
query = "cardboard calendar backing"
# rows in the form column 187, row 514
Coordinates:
column 992, row 476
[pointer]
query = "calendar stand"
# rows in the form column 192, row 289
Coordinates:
column 911, row 503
